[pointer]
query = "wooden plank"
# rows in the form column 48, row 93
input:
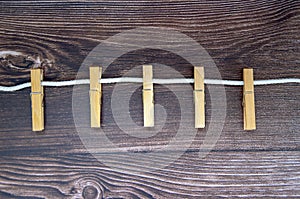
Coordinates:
column 61, row 151
column 248, row 100
column 199, row 97
column 66, row 176
column 37, row 97
column 148, row 103
column 95, row 96
column 261, row 34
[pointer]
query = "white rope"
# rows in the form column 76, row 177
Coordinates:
column 156, row 81
column 276, row 81
column 15, row 88
column 67, row 83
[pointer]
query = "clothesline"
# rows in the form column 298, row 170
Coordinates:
column 155, row 81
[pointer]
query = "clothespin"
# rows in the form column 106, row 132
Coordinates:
column 95, row 95
column 248, row 100
column 199, row 96
column 148, row 96
column 37, row 98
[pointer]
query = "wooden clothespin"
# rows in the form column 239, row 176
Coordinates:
column 248, row 100
column 199, row 97
column 148, row 96
column 37, row 98
column 95, row 95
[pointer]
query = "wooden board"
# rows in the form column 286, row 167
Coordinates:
column 55, row 164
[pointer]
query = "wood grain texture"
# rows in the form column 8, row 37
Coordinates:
column 58, row 36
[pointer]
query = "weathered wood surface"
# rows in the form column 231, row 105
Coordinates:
column 54, row 164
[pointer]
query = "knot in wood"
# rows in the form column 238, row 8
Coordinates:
column 90, row 192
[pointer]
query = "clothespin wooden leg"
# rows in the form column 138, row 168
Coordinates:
column 199, row 96
column 37, row 97
column 95, row 96
column 248, row 100
column 148, row 96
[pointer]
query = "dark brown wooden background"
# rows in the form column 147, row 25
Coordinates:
column 264, row 35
